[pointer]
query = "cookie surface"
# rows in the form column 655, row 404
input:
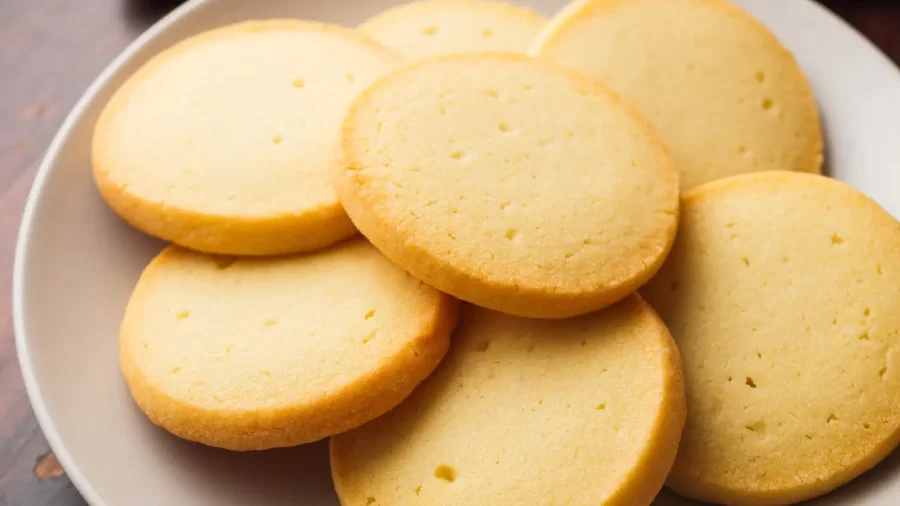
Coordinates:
column 782, row 294
column 435, row 27
column 252, row 354
column 584, row 411
column 510, row 183
column 737, row 105
column 225, row 142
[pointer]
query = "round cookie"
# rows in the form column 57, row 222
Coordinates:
column 435, row 27
column 249, row 354
column 581, row 412
column 510, row 183
column 782, row 293
column 725, row 95
column 225, row 142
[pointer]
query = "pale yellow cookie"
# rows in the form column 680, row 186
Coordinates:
column 249, row 354
column 435, row 27
column 782, row 292
column 510, row 183
column 578, row 412
column 725, row 95
column 225, row 142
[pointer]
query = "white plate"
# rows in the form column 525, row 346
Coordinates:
column 76, row 264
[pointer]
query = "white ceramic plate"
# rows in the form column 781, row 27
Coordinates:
column 76, row 264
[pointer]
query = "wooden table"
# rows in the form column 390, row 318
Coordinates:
column 50, row 50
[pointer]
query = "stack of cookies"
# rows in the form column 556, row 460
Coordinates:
column 431, row 239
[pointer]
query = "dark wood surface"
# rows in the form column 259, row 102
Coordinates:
column 50, row 50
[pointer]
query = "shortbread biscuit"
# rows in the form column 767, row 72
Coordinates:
column 725, row 95
column 581, row 412
column 782, row 292
column 509, row 182
column 249, row 354
column 225, row 142
column 435, row 27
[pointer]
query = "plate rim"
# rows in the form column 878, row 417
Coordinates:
column 23, row 240
column 47, row 166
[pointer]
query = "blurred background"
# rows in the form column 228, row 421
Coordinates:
column 50, row 50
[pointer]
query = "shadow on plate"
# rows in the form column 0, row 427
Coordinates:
column 827, row 151
column 288, row 476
